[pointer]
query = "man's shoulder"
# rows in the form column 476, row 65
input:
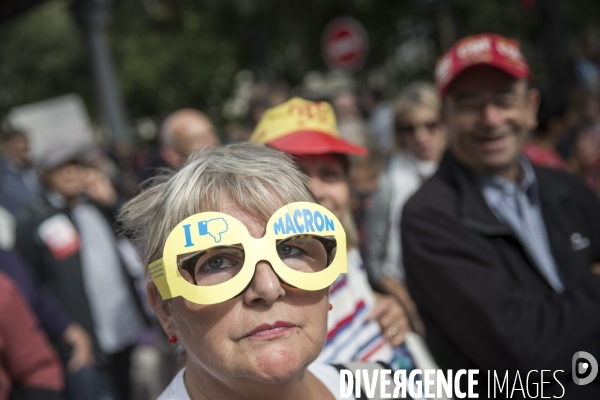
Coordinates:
column 550, row 176
column 437, row 193
column 35, row 212
column 557, row 183
column 6, row 173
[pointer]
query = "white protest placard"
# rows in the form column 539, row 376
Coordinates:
column 50, row 123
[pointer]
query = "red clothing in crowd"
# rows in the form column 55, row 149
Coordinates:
column 26, row 358
column 543, row 157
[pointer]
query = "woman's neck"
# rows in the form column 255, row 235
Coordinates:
column 201, row 385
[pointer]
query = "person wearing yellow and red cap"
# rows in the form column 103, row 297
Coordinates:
column 362, row 326
column 499, row 253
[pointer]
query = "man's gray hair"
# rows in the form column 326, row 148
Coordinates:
column 256, row 178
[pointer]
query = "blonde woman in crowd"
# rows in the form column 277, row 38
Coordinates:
column 420, row 141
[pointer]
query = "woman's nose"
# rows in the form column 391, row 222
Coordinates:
column 265, row 287
column 422, row 135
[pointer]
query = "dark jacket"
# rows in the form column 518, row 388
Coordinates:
column 62, row 278
column 46, row 309
column 14, row 192
column 483, row 302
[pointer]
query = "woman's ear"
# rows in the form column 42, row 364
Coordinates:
column 161, row 309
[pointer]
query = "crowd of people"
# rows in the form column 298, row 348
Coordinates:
column 465, row 234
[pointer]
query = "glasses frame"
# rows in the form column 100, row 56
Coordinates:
column 504, row 102
column 167, row 277
column 329, row 244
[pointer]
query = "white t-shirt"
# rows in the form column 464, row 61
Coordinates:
column 350, row 336
column 328, row 375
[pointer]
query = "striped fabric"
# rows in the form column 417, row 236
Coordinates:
column 350, row 337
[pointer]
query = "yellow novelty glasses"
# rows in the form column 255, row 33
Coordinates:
column 210, row 257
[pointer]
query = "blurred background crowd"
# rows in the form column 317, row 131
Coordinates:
column 97, row 96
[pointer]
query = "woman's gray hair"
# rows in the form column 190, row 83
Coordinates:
column 257, row 179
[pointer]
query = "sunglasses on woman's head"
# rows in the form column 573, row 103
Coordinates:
column 412, row 128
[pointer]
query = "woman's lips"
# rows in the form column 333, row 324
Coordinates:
column 270, row 331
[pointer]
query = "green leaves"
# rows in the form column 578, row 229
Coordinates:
column 176, row 53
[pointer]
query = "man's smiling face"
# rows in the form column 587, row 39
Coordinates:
column 489, row 115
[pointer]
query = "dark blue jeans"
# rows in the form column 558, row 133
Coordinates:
column 91, row 384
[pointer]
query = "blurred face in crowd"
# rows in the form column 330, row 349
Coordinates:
column 591, row 109
column 327, row 181
column 267, row 334
column 489, row 115
column 67, row 180
column 586, row 149
column 194, row 132
column 364, row 174
column 345, row 106
column 421, row 133
column 17, row 149
column 189, row 130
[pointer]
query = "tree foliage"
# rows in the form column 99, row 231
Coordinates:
column 174, row 53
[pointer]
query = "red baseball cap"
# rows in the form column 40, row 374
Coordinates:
column 302, row 127
column 482, row 49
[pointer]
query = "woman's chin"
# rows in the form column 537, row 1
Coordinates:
column 278, row 365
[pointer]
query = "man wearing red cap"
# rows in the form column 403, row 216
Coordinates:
column 498, row 253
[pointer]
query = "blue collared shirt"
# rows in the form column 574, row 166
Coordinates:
column 518, row 206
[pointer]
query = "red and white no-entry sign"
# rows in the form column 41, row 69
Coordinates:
column 345, row 44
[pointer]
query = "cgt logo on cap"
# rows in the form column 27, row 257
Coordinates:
column 584, row 364
column 481, row 49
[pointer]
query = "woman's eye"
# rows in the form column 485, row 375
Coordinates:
column 287, row 250
column 331, row 176
column 216, row 263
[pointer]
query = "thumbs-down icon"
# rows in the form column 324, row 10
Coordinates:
column 214, row 227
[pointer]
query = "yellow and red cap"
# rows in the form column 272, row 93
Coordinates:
column 303, row 127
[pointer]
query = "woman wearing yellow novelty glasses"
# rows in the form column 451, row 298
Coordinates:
column 241, row 260
column 211, row 257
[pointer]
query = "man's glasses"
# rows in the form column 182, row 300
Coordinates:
column 476, row 104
